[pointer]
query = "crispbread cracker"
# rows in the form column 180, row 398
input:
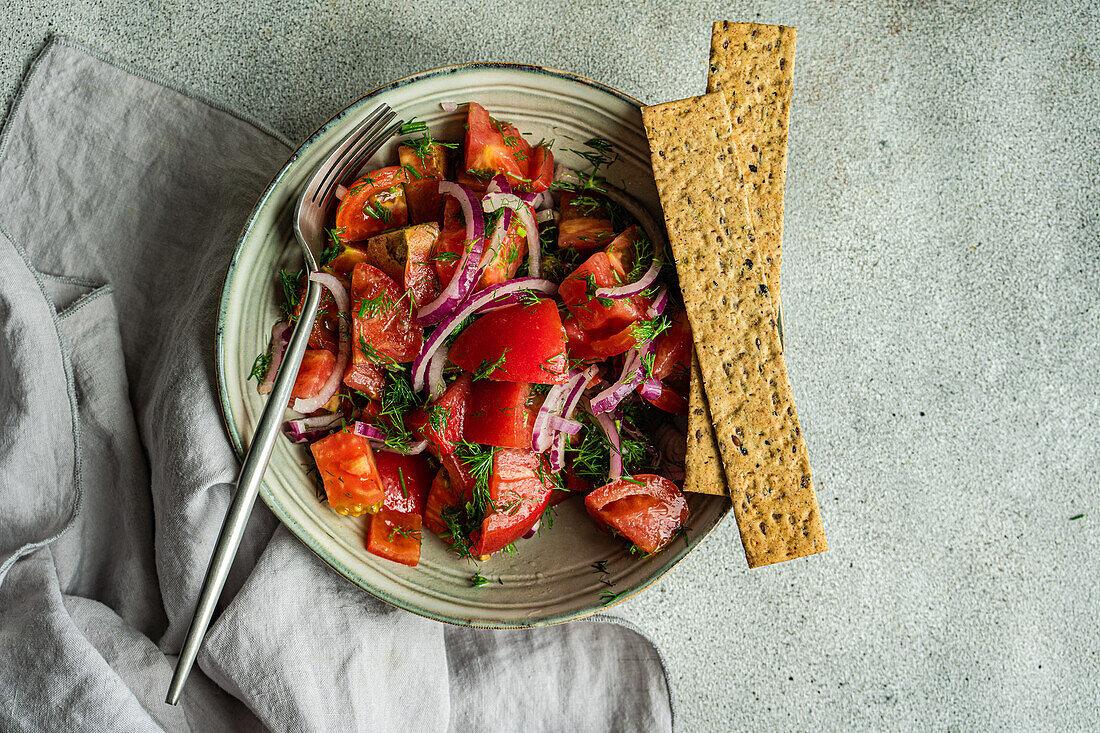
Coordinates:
column 702, row 465
column 754, row 65
column 734, row 327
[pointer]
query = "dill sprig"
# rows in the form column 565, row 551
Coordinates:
column 260, row 366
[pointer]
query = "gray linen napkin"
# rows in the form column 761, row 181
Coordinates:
column 120, row 203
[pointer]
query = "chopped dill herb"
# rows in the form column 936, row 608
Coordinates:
column 260, row 366
column 411, row 127
column 486, row 367
column 376, row 211
column 477, row 580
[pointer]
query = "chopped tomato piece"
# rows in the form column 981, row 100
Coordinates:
column 672, row 357
column 669, row 401
column 646, row 509
column 521, row 343
column 442, row 423
column 502, row 414
column 476, row 183
column 420, row 278
column 316, row 367
column 405, row 481
column 348, row 471
column 509, row 256
column 425, row 165
column 326, row 326
column 586, row 345
column 453, row 485
column 519, row 492
column 384, row 333
column 395, row 536
column 451, row 243
column 348, row 256
column 584, row 224
column 541, row 170
column 495, row 147
column 609, row 268
column 373, row 204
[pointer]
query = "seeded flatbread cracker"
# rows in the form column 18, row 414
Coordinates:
column 734, row 327
column 754, row 65
column 702, row 464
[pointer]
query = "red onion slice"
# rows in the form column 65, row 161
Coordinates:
column 625, row 291
column 533, row 531
column 377, row 439
column 614, row 439
column 521, row 205
column 546, row 215
column 651, row 388
column 499, row 184
column 488, row 298
column 341, row 191
column 280, row 337
column 448, row 106
column 309, row 429
column 578, row 381
column 366, row 430
column 557, row 452
column 564, row 425
column 534, row 245
column 660, row 300
column 467, row 272
column 494, row 244
column 340, row 295
column 413, row 449
column 632, row 376
column 436, row 385
column 542, row 437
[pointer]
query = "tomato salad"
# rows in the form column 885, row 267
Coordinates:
column 497, row 335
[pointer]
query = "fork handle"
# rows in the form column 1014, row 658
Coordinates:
column 248, row 485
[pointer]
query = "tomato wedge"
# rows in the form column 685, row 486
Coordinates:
column 451, row 243
column 646, row 509
column 509, row 256
column 502, row 414
column 394, row 532
column 541, row 170
column 395, row 536
column 672, row 365
column 442, row 423
column 405, row 481
column 584, row 224
column 495, row 147
column 609, row 268
column 452, row 485
column 373, row 204
column 672, row 356
column 519, row 492
column 519, row 343
column 348, row 471
column 325, row 333
column 420, row 278
column 384, row 333
column 425, row 165
column 316, row 367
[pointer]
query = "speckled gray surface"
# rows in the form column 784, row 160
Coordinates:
column 942, row 300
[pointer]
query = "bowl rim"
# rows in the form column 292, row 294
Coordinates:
column 284, row 516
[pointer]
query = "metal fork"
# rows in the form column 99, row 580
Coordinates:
column 309, row 221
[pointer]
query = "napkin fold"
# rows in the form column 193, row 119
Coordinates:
column 120, row 204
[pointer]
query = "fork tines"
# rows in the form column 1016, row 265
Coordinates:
column 375, row 130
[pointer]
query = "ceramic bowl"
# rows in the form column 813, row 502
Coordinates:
column 570, row 570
